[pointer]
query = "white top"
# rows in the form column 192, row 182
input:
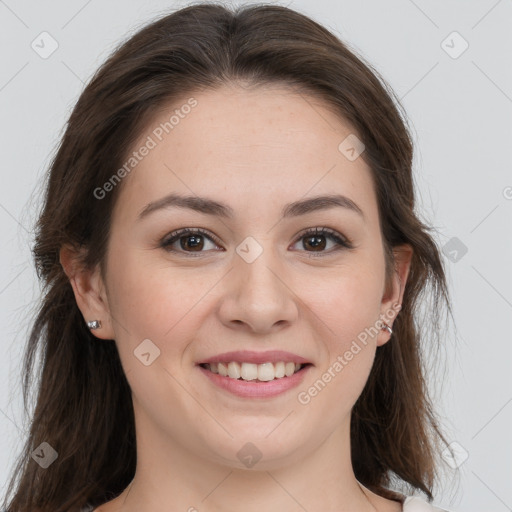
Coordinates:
column 415, row 504
column 411, row 504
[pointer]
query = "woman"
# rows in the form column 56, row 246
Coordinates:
column 232, row 268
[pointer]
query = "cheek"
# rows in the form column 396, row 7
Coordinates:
column 152, row 300
column 348, row 301
column 351, row 315
column 333, row 394
column 349, row 305
column 148, row 298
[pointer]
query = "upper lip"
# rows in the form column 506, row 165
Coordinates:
column 249, row 356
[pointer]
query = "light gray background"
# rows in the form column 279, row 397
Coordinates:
column 461, row 113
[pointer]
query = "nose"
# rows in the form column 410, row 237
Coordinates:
column 257, row 297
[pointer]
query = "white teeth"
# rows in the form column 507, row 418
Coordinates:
column 250, row 371
column 234, row 370
column 223, row 369
column 266, row 371
column 280, row 371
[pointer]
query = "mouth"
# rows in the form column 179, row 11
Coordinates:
column 253, row 372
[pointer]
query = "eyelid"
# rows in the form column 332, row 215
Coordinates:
column 174, row 236
column 336, row 235
column 341, row 240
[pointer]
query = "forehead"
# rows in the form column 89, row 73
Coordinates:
column 247, row 147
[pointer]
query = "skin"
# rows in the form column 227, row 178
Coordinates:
column 255, row 150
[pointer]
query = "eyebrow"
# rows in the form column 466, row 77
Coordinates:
column 208, row 206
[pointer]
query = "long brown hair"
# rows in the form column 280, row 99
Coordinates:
column 83, row 404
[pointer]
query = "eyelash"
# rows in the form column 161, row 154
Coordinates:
column 343, row 242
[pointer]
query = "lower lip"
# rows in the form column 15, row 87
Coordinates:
column 256, row 389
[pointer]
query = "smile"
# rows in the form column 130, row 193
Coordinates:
column 245, row 379
column 254, row 372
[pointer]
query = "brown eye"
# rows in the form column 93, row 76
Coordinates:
column 316, row 241
column 190, row 241
column 193, row 242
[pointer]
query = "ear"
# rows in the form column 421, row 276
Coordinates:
column 393, row 296
column 89, row 290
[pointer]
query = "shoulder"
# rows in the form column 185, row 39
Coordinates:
column 415, row 504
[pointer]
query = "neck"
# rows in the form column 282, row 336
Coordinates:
column 171, row 476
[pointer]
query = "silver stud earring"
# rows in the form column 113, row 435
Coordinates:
column 387, row 328
column 94, row 324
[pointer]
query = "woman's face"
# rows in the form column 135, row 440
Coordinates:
column 253, row 281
